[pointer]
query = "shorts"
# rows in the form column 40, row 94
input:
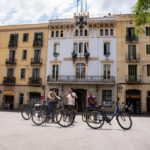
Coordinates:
column 70, row 107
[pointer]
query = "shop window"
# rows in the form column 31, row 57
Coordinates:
column 61, row 34
column 57, row 33
column 52, row 34
column 101, row 32
column 76, row 32
column 107, row 98
column 106, row 32
column 148, row 70
column 148, row 49
column 111, row 32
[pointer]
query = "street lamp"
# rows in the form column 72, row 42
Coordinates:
column 144, row 66
column 27, row 66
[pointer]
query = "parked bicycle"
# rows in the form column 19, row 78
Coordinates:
column 97, row 116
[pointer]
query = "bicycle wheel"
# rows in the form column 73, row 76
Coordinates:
column 84, row 115
column 39, row 117
column 26, row 113
column 124, row 120
column 95, row 119
column 64, row 118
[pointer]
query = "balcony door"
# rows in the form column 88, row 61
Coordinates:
column 10, row 73
column 37, row 56
column 12, row 57
column 80, row 71
column 107, row 73
column 132, row 72
column 55, row 72
column 36, row 73
column 132, row 52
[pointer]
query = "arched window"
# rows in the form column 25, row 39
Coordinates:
column 61, row 34
column 106, row 49
column 81, row 48
column 85, row 32
column 81, row 32
column 106, row 32
column 56, row 50
column 52, row 34
column 75, row 48
column 57, row 33
column 86, row 48
column 111, row 32
column 80, row 71
column 76, row 32
column 101, row 32
column 90, row 33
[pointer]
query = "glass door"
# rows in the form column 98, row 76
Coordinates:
column 36, row 73
column 107, row 73
column 37, row 56
column 12, row 57
column 10, row 73
column 80, row 71
column 55, row 72
column 132, row 73
column 132, row 52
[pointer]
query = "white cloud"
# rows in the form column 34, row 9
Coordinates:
column 34, row 11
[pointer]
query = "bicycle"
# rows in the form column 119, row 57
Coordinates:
column 27, row 110
column 96, row 118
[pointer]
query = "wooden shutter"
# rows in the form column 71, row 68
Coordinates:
column 27, row 36
column 105, row 48
column 148, row 70
column 127, row 31
column 23, row 36
column 16, row 39
column 148, row 49
column 10, row 39
column 129, row 51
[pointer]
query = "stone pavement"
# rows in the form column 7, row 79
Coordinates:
column 19, row 134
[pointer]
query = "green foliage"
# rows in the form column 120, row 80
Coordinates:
column 142, row 15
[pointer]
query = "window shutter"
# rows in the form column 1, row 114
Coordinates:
column 27, row 36
column 148, row 49
column 10, row 39
column 41, row 35
column 127, row 31
column 16, row 39
column 129, row 51
column 105, row 48
column 23, row 36
column 134, row 51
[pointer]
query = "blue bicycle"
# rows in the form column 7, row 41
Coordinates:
column 97, row 116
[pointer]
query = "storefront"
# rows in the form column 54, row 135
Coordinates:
column 133, row 98
column 8, row 100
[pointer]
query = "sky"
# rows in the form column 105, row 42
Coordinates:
column 40, row 11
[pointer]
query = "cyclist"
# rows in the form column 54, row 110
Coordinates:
column 91, row 100
column 51, row 97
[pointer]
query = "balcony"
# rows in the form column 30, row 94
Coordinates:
column 13, row 44
column 37, row 43
column 129, row 57
column 9, row 80
column 133, row 78
column 131, row 38
column 35, row 81
column 81, row 80
column 11, row 61
column 36, row 61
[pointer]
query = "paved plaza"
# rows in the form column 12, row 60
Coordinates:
column 19, row 134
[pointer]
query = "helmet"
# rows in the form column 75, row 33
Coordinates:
column 51, row 88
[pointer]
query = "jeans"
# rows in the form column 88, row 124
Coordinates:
column 51, row 107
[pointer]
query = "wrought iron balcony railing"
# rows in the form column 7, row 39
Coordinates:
column 11, row 61
column 35, row 81
column 55, row 54
column 87, row 55
column 131, row 38
column 130, row 57
column 13, row 44
column 133, row 78
column 36, row 61
column 37, row 43
column 96, row 79
column 9, row 80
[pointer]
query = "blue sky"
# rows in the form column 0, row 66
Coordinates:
column 40, row 11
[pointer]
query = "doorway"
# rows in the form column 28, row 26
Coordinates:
column 81, row 98
column 9, row 102
column 35, row 96
column 148, row 104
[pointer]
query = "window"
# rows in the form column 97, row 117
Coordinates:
column 81, row 32
column 61, row 34
column 10, row 73
column 13, row 40
column 72, row 33
column 90, row 33
column 36, row 73
column 56, row 48
column 86, row 48
column 52, row 34
column 68, row 33
column 23, row 73
column 101, row 32
column 25, row 37
column 147, row 31
column 148, row 93
column 80, row 71
column 21, row 99
column 55, row 72
column 148, row 70
column 106, row 32
column 132, row 73
column 107, row 98
column 106, row 72
column 106, row 49
column 81, row 48
column 95, row 33
column 24, row 54
column 12, row 56
column 37, row 56
column 76, row 32
column 38, row 38
column 75, row 47
column 57, row 33
column 85, row 32
column 111, row 32
column 148, row 49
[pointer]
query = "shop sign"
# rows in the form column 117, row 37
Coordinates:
column 133, row 96
column 9, row 93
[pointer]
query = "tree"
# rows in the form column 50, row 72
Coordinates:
column 142, row 15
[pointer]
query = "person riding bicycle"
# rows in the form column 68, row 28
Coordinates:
column 51, row 97
column 91, row 100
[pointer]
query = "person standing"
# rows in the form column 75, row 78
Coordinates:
column 71, row 101
column 126, row 108
column 51, row 97
column 91, row 100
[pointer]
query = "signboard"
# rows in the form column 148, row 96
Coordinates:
column 9, row 93
column 134, row 96
column 107, row 103
column 41, row 97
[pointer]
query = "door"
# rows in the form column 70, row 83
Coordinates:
column 12, row 57
column 80, row 71
column 132, row 72
column 148, row 105
column 55, row 72
column 10, row 73
column 106, row 73
column 132, row 52
column 37, row 56
column 36, row 73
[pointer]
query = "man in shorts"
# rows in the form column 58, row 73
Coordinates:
column 71, row 100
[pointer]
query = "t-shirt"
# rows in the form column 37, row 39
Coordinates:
column 70, row 99
column 91, row 100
